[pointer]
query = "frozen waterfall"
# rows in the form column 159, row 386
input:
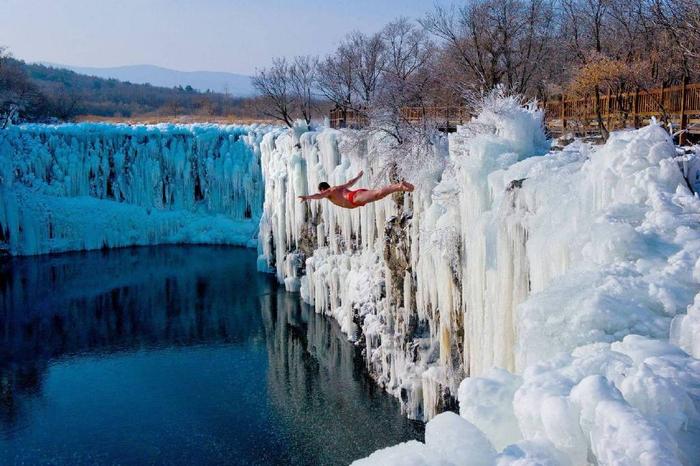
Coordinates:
column 536, row 286
column 88, row 186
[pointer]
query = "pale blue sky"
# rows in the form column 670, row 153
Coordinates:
column 189, row 35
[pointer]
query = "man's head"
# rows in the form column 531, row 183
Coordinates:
column 322, row 186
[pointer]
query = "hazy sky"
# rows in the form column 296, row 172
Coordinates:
column 189, row 35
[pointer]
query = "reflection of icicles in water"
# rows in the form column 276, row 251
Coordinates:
column 124, row 299
column 103, row 303
column 300, row 343
column 87, row 186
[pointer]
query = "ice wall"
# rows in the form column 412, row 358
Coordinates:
column 88, row 186
column 393, row 273
column 563, row 269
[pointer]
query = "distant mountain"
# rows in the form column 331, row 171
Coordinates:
column 236, row 85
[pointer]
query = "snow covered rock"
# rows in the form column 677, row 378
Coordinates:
column 685, row 329
column 458, row 440
column 449, row 440
column 487, row 402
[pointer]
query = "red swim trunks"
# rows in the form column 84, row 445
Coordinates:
column 350, row 196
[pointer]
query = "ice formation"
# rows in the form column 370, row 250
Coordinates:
column 553, row 293
column 88, row 186
column 549, row 291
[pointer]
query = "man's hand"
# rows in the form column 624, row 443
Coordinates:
column 303, row 198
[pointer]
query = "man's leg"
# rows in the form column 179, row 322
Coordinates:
column 372, row 195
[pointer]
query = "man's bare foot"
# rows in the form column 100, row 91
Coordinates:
column 406, row 186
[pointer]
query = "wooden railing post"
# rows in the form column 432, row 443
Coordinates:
column 682, row 136
column 635, row 108
column 563, row 113
column 589, row 111
column 609, row 110
column 662, row 101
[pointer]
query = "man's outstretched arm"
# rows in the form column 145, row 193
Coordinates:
column 320, row 195
column 353, row 180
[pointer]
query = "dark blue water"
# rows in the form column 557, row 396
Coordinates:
column 177, row 355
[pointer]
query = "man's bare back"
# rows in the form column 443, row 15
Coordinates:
column 343, row 196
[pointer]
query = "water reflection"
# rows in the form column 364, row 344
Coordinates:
column 190, row 354
column 317, row 379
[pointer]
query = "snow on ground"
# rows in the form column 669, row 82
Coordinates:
column 551, row 292
column 88, row 186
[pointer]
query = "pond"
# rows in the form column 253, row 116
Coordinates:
column 177, row 355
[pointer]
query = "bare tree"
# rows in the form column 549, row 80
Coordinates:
column 336, row 78
column 276, row 92
column 370, row 61
column 585, row 30
column 302, row 79
column 496, row 41
column 349, row 78
column 679, row 22
column 407, row 69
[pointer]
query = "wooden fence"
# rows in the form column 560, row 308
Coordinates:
column 443, row 117
column 348, row 118
column 679, row 105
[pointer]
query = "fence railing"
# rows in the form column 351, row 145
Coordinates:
column 348, row 118
column 678, row 104
column 443, row 117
